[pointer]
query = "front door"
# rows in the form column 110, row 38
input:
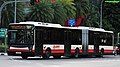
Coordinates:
column 67, row 45
column 96, row 43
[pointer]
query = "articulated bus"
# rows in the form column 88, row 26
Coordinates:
column 27, row 39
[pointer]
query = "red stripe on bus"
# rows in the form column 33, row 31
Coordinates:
column 57, row 50
column 108, row 51
column 90, row 51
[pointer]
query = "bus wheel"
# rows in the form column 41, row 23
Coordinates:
column 47, row 53
column 57, row 57
column 24, row 57
column 77, row 52
column 102, row 52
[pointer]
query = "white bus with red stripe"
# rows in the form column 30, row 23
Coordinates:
column 45, row 39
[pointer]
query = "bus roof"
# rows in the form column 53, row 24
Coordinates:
column 90, row 28
column 59, row 26
column 42, row 24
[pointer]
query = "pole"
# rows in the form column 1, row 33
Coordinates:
column 118, row 38
column 8, row 2
column 101, row 13
column 2, row 6
column 15, row 12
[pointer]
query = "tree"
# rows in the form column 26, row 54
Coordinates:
column 63, row 10
column 90, row 10
column 82, row 8
column 55, row 12
column 41, row 12
column 92, row 18
column 59, row 13
column 111, row 14
column 8, row 13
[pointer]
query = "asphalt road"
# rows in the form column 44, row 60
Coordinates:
column 14, row 61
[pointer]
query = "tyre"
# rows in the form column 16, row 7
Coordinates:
column 102, row 52
column 24, row 57
column 57, row 57
column 77, row 52
column 47, row 53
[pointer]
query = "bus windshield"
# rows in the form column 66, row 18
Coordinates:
column 21, row 35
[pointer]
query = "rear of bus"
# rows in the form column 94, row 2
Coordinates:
column 21, row 40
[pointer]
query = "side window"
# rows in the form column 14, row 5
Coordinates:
column 109, row 40
column 48, row 35
column 53, row 35
column 91, row 37
column 76, row 37
column 45, row 35
column 104, row 39
column 12, row 37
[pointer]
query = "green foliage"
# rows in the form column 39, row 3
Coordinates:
column 82, row 7
column 32, row 2
column 107, row 25
column 111, row 15
column 41, row 12
column 69, row 9
column 57, row 12
column 92, row 19
column 68, row 6
column 8, row 13
column 3, row 48
column 89, row 10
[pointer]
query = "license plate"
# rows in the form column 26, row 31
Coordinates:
column 18, row 52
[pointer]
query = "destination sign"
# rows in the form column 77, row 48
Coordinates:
column 21, row 26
